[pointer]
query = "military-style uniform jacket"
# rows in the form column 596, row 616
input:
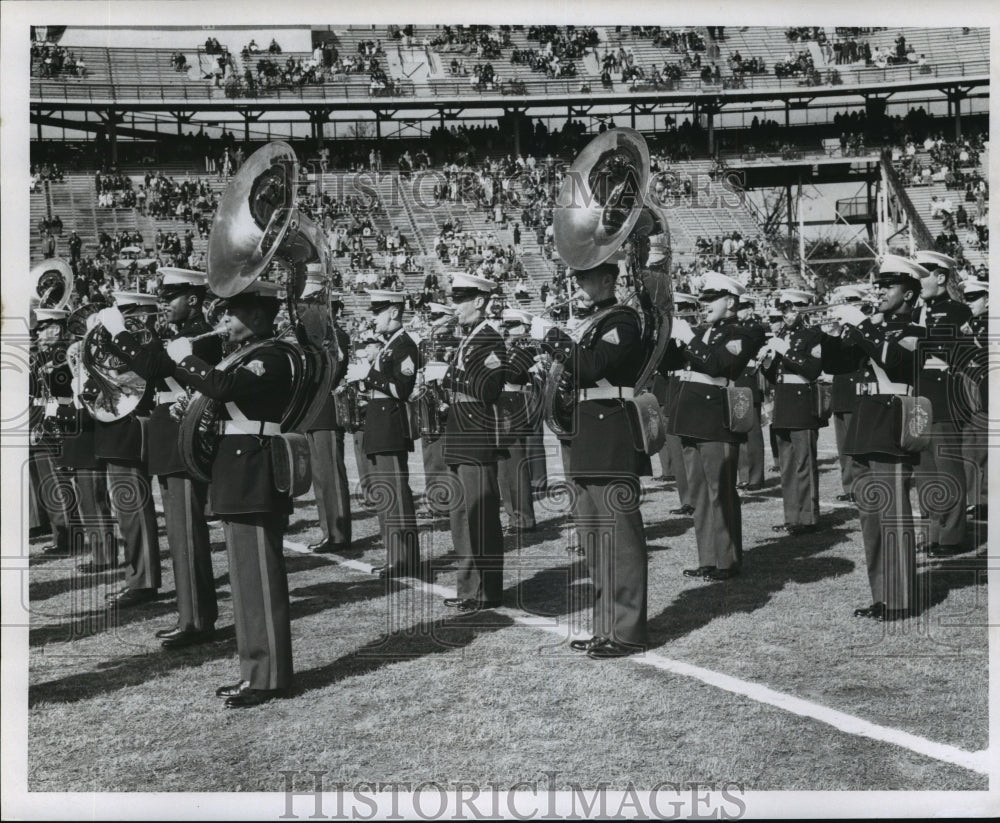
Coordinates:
column 326, row 420
column 941, row 353
column 877, row 420
column 609, row 356
column 474, row 382
column 390, row 381
column 516, row 402
column 720, row 352
column 151, row 363
column 124, row 439
column 793, row 375
column 242, row 474
column 843, row 389
column 75, row 423
column 977, row 367
column 752, row 377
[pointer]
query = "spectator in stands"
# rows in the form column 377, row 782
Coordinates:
column 274, row 48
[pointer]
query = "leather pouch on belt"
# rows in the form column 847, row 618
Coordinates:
column 290, row 461
column 739, row 409
column 822, row 397
column 915, row 433
column 646, row 421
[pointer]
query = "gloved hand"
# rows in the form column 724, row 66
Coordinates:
column 540, row 327
column 681, row 331
column 178, row 349
column 779, row 344
column 356, row 372
column 112, row 320
column 435, row 371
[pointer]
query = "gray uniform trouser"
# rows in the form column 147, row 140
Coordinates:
column 841, row 420
column 385, row 484
column 55, row 496
column 132, row 499
column 260, row 599
column 436, row 477
column 797, row 459
column 514, row 477
column 974, row 448
column 751, row 462
column 882, row 492
column 673, row 444
column 940, row 479
column 474, row 510
column 329, row 476
column 94, row 515
column 190, row 551
column 718, row 526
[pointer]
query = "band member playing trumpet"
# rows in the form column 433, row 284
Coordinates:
column 684, row 304
column 974, row 440
column 182, row 292
column 605, row 463
column 254, row 514
column 792, row 361
column 708, row 363
column 884, row 351
column 387, row 438
column 437, row 349
column 121, row 444
column 474, row 381
column 326, row 452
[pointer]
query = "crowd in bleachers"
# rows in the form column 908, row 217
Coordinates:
column 40, row 172
column 50, row 60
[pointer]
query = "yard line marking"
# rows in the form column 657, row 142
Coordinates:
column 849, row 724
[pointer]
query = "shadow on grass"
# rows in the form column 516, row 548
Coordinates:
column 421, row 640
column 134, row 670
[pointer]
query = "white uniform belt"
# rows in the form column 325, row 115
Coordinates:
column 607, row 393
column 259, row 428
column 62, row 401
column 461, row 397
column 698, row 377
column 167, row 396
column 380, row 395
column 883, row 388
column 793, row 378
column 935, row 364
column 514, row 387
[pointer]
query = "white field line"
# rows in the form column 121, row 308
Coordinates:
column 847, row 723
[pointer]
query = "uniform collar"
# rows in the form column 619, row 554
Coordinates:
column 603, row 304
column 935, row 301
column 394, row 335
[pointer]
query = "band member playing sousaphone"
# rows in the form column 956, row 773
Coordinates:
column 387, row 438
column 474, row 381
column 604, row 462
column 182, row 292
column 703, row 414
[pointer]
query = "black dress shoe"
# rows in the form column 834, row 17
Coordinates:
column 587, row 645
column 936, row 550
column 784, row 527
column 742, row 485
column 845, row 498
column 892, row 615
column 701, row 571
column 979, row 512
column 470, row 606
column 685, row 510
column 232, row 691
column 874, row 611
column 454, row 602
column 132, row 597
column 162, row 633
column 801, row 528
column 188, row 637
column 723, row 574
column 754, row 487
column 611, row 649
column 55, row 550
column 90, row 567
column 388, row 572
column 248, row 698
column 328, row 547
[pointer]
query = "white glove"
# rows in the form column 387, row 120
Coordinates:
column 540, row 327
column 178, row 349
column 680, row 330
column 435, row 371
column 356, row 372
column 112, row 320
column 92, row 320
column 779, row 344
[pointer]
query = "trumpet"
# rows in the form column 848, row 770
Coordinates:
column 219, row 332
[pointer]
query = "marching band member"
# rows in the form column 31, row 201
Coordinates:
column 474, row 381
column 51, row 493
column 683, row 304
column 974, row 441
column 122, row 444
column 751, row 461
column 254, row 514
column 513, row 471
column 326, row 452
column 792, row 362
column 182, row 291
column 445, row 343
column 939, row 361
column 884, row 470
column 843, row 392
column 605, row 464
column 709, row 362
column 387, row 438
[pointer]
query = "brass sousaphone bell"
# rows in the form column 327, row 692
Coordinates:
column 259, row 232
column 53, row 279
column 605, row 212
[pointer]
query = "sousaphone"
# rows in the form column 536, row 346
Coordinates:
column 258, row 232
column 605, row 212
column 53, row 279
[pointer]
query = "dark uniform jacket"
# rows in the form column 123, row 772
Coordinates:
column 977, row 365
column 326, row 420
column 610, row 353
column 941, row 354
column 151, row 363
column 391, row 379
column 242, row 473
column 698, row 410
column 516, row 403
column 75, row 423
column 877, row 420
column 752, row 377
column 795, row 403
column 474, row 382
